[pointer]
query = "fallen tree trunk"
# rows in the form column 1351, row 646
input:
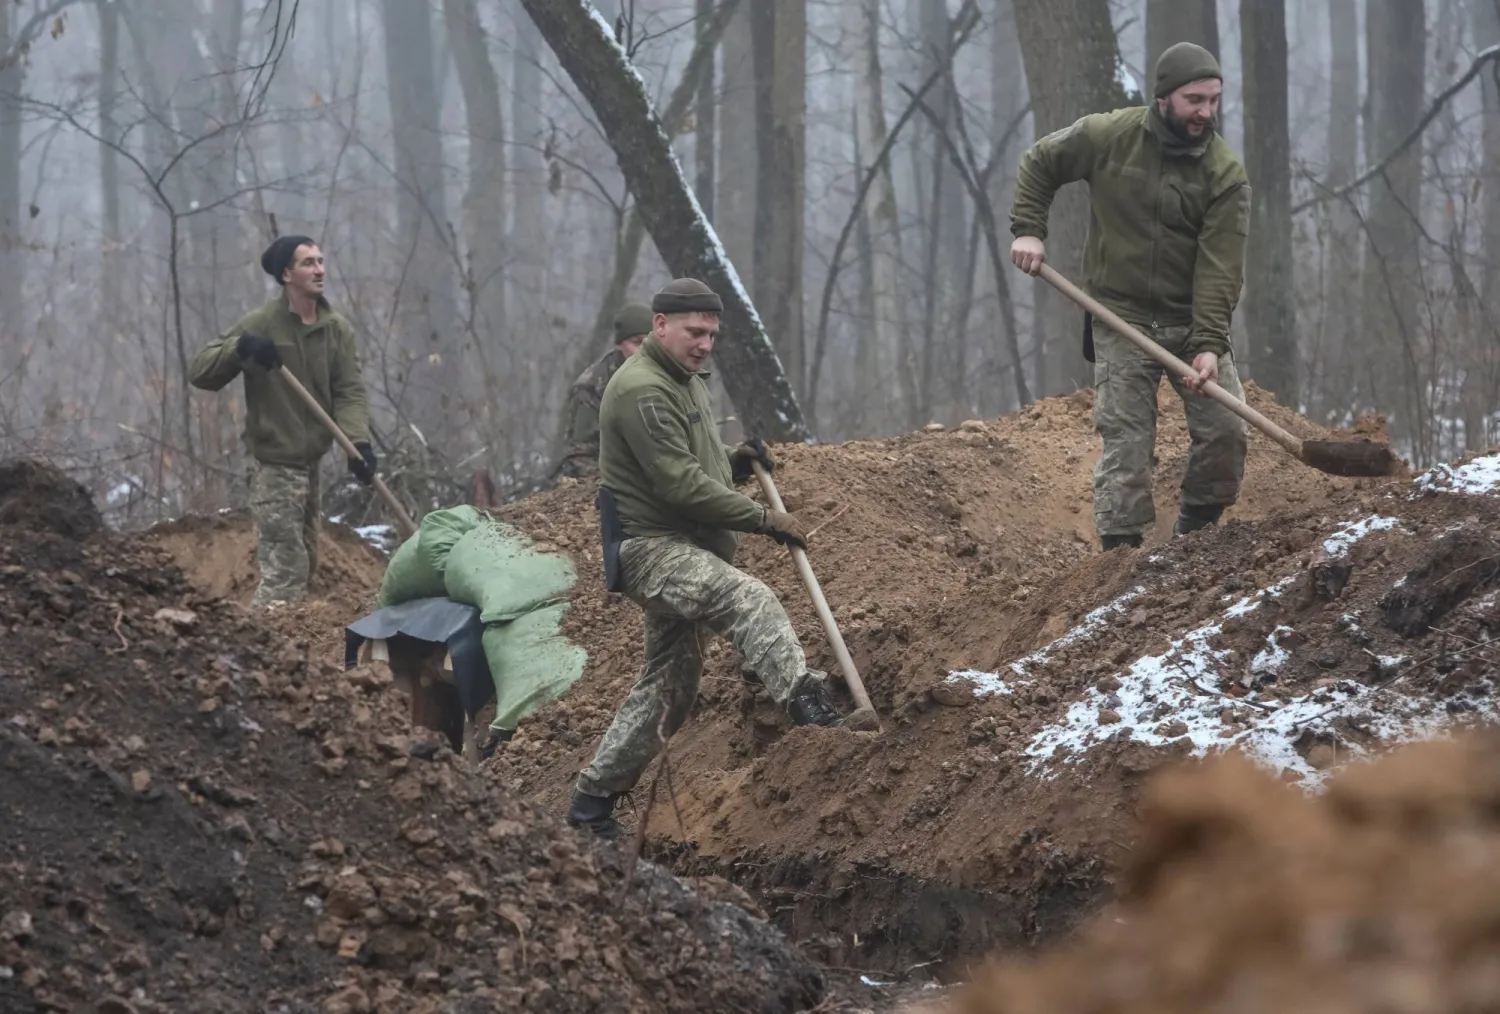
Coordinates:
column 585, row 46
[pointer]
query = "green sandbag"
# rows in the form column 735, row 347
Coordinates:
column 417, row 567
column 521, row 592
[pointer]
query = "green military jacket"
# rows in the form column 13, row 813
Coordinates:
column 581, row 455
column 660, row 455
column 1166, row 243
column 279, row 428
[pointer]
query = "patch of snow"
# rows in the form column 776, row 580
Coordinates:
column 1086, row 628
column 986, row 684
column 118, row 493
column 382, row 537
column 1269, row 660
column 1337, row 544
column 874, row 984
column 1250, row 603
column 1477, row 477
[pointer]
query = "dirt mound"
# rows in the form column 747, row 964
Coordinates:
column 1382, row 894
column 35, row 495
column 962, row 549
column 218, row 554
column 200, row 814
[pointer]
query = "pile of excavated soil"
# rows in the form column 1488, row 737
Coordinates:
column 1383, row 894
column 35, row 495
column 197, row 814
column 939, row 551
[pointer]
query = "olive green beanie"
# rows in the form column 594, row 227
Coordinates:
column 1183, row 64
column 633, row 321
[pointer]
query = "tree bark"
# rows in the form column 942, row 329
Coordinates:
column 12, row 241
column 425, row 316
column 599, row 68
column 779, row 32
column 1007, row 99
column 1071, row 53
column 528, row 236
column 1328, row 392
column 734, row 200
column 1396, row 40
column 705, row 106
column 1482, row 371
column 1270, row 314
column 1169, row 22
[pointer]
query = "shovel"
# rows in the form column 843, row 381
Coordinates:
column 1336, row 457
column 863, row 717
column 403, row 520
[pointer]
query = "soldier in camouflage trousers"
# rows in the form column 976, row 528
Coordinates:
column 580, row 458
column 299, row 333
column 671, row 521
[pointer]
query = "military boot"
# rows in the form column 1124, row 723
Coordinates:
column 1116, row 541
column 1190, row 519
column 597, row 813
column 494, row 741
column 811, row 705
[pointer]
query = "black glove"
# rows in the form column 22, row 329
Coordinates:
column 260, row 350
column 753, row 449
column 363, row 466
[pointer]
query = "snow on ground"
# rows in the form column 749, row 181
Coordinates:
column 382, row 537
column 1478, row 476
column 1180, row 694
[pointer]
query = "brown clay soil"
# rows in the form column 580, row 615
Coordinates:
column 201, row 814
column 996, row 810
column 1246, row 895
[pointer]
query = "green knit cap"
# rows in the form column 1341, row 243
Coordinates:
column 633, row 321
column 1183, row 64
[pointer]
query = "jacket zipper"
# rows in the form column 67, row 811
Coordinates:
column 1155, row 239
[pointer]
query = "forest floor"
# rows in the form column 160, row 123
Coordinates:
column 218, row 798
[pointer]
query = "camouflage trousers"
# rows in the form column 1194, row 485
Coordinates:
column 1126, row 381
column 686, row 591
column 287, row 508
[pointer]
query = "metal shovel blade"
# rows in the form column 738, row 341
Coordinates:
column 1349, row 457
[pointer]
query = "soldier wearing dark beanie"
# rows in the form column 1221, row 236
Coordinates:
column 1182, row 64
column 278, row 256
column 686, row 295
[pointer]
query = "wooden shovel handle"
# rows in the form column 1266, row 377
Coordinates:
column 825, row 615
column 403, row 520
column 1171, row 362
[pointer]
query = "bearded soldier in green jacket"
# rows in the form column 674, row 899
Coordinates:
column 299, row 332
column 1166, row 251
column 671, row 520
column 580, row 458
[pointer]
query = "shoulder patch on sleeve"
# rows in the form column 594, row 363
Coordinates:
column 661, row 422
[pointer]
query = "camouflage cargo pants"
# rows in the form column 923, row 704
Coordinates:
column 287, row 508
column 687, row 591
column 1126, row 381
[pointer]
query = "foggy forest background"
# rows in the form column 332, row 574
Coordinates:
column 856, row 157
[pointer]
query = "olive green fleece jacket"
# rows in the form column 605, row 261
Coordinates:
column 1166, row 243
column 661, row 457
column 279, row 428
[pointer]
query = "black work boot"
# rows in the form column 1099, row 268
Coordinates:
column 1190, row 519
column 597, row 813
column 811, row 706
column 494, row 741
column 1116, row 541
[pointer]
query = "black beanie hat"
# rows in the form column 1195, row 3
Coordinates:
column 278, row 256
column 686, row 295
column 1183, row 64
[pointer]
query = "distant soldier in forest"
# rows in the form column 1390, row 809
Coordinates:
column 300, row 332
column 1166, row 251
column 581, row 455
column 671, row 519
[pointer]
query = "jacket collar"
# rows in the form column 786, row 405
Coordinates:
column 323, row 310
column 1171, row 143
column 661, row 357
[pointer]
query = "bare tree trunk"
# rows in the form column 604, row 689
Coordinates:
column 704, row 126
column 1329, row 394
column 425, row 317
column 112, row 256
column 528, row 236
column 600, row 70
column 1007, row 100
column 734, row 201
column 1482, row 371
column 12, row 249
column 779, row 29
column 1071, row 54
column 1270, row 314
column 484, row 200
column 889, row 328
column 1169, row 22
column 1396, row 40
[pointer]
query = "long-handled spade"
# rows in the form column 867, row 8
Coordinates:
column 1336, row 457
column 863, row 717
column 403, row 520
